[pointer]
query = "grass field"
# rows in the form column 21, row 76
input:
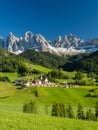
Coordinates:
column 12, row 76
column 10, row 95
column 20, row 121
column 12, row 100
column 38, row 67
column 71, row 96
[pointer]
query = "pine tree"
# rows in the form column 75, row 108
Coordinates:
column 62, row 112
column 30, row 107
column 58, row 109
column 90, row 115
column 54, row 110
column 70, row 113
column 24, row 108
column 36, row 93
column 96, row 110
column 80, row 112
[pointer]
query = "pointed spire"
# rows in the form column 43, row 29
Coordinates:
column 28, row 34
column 11, row 34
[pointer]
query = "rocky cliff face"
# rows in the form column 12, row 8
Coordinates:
column 68, row 41
column 67, row 45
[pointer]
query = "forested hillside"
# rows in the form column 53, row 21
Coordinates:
column 83, row 62
column 10, row 62
column 44, row 58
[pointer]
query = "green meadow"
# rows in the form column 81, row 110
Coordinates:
column 20, row 121
column 12, row 99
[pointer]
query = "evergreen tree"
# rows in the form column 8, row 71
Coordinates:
column 49, row 76
column 62, row 112
column 90, row 115
column 30, row 107
column 24, row 108
column 36, row 93
column 60, row 73
column 54, row 109
column 58, row 109
column 70, row 113
column 79, row 75
column 80, row 112
column 22, row 69
column 96, row 110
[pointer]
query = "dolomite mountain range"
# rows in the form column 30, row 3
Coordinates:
column 67, row 45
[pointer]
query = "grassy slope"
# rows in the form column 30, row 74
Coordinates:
column 12, row 76
column 12, row 99
column 71, row 96
column 38, row 67
column 19, row 121
column 10, row 96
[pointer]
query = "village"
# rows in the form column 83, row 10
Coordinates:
column 43, row 82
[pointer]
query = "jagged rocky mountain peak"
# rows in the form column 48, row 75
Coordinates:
column 1, row 38
column 59, row 38
column 11, row 34
column 28, row 34
column 12, row 37
column 67, row 45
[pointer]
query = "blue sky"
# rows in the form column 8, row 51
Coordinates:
column 50, row 18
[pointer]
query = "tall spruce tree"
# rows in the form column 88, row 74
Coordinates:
column 54, row 110
column 90, row 115
column 58, row 109
column 62, row 112
column 30, row 107
column 96, row 110
column 80, row 112
column 70, row 113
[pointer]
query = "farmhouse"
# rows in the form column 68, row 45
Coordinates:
column 19, row 82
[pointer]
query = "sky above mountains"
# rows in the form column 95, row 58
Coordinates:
column 50, row 18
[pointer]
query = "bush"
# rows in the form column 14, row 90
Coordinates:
column 79, row 75
column 4, row 79
column 34, row 71
column 36, row 93
column 22, row 69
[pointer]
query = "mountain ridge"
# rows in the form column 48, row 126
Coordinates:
column 67, row 45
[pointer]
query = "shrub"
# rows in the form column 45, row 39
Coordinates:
column 4, row 79
column 36, row 93
column 22, row 69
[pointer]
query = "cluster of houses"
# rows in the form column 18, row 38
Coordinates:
column 69, row 85
column 42, row 82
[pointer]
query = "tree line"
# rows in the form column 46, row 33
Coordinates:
column 59, row 110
